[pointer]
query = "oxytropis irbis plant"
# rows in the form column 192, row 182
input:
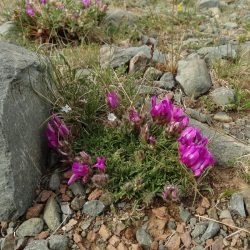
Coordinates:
column 50, row 20
column 164, row 123
column 192, row 146
column 58, row 135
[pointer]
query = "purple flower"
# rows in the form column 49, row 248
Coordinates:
column 56, row 129
column 163, row 111
column 53, row 139
column 192, row 135
column 79, row 170
column 152, row 140
column 43, row 1
column 86, row 3
column 29, row 10
column 170, row 192
column 112, row 99
column 179, row 121
column 100, row 164
column 134, row 117
column 197, row 157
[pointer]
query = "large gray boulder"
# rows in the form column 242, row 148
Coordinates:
column 224, row 148
column 22, row 141
column 193, row 76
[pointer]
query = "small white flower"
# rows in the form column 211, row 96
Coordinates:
column 66, row 108
column 112, row 117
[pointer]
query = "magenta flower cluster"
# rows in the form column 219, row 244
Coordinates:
column 56, row 131
column 30, row 10
column 193, row 151
column 82, row 169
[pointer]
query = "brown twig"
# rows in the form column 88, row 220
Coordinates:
column 234, row 227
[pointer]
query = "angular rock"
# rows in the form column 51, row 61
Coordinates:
column 212, row 229
column 6, row 28
column 224, row 148
column 30, row 227
column 138, row 62
column 166, row 81
column 54, row 182
column 115, row 56
column 52, row 215
column 152, row 73
column 230, row 25
column 199, row 229
column 185, row 214
column 206, row 4
column 58, row 242
column 193, row 76
column 37, row 244
column 222, row 117
column 237, row 204
column 77, row 188
column 93, row 208
column 22, row 114
column 246, row 196
column 225, row 214
column 220, row 52
column 174, row 242
column 119, row 17
column 195, row 114
column 143, row 238
column 222, row 96
column 77, row 203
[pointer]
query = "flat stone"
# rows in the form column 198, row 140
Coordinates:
column 212, row 229
column 224, row 148
column 197, row 115
column 37, row 244
column 58, row 242
column 199, row 229
column 93, row 208
column 210, row 54
column 77, row 188
column 65, row 208
column 174, row 242
column 86, row 224
column 30, row 227
column 143, row 238
column 115, row 56
column 118, row 17
column 193, row 76
column 246, row 196
column 225, row 214
column 206, row 4
column 222, row 117
column 237, row 204
column 230, row 25
column 23, row 146
column 54, row 182
column 6, row 28
column 52, row 215
column 166, row 81
column 185, row 214
column 152, row 73
column 77, row 203
column 223, row 96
